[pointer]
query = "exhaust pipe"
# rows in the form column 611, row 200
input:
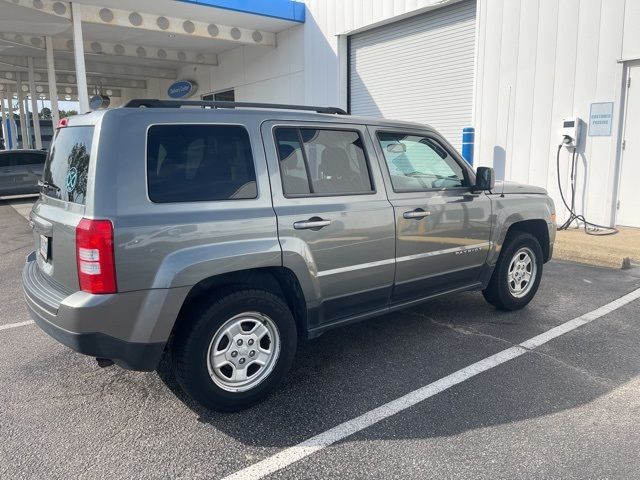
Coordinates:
column 104, row 362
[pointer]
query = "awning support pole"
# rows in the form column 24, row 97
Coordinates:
column 78, row 53
column 3, row 115
column 25, row 101
column 53, row 86
column 23, row 118
column 35, row 117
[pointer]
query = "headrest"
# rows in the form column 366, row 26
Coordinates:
column 286, row 151
column 335, row 162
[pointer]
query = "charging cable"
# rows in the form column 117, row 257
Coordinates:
column 590, row 228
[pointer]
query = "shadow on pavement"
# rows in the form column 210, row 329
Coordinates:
column 351, row 370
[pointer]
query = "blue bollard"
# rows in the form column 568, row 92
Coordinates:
column 8, row 142
column 468, row 141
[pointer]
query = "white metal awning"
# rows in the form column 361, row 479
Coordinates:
column 70, row 50
column 136, row 38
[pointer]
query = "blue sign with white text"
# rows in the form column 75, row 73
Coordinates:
column 182, row 89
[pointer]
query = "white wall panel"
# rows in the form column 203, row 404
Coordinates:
column 563, row 86
column 542, row 95
column 586, row 75
column 525, row 84
column 508, row 88
column 490, row 48
column 608, row 88
column 556, row 58
column 256, row 73
column 631, row 41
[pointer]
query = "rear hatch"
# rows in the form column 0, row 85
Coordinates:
column 61, row 206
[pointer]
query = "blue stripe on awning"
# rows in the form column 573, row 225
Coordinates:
column 282, row 9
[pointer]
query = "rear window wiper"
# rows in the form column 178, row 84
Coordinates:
column 48, row 185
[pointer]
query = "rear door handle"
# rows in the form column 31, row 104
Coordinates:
column 314, row 223
column 416, row 214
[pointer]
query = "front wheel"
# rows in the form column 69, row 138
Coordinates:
column 517, row 274
column 234, row 350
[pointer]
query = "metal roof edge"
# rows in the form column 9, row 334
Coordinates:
column 290, row 10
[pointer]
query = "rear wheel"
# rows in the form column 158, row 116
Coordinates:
column 232, row 352
column 517, row 274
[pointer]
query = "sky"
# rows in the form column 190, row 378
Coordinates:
column 62, row 105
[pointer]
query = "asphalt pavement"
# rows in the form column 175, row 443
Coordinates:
column 568, row 408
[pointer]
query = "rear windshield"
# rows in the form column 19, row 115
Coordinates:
column 67, row 166
column 197, row 163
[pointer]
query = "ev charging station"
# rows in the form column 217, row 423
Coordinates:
column 572, row 138
column 571, row 128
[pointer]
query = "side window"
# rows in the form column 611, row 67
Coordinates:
column 67, row 166
column 295, row 180
column 419, row 163
column 5, row 160
column 196, row 163
column 322, row 162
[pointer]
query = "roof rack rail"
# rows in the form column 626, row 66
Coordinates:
column 156, row 103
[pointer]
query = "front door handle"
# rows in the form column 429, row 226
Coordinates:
column 416, row 214
column 314, row 223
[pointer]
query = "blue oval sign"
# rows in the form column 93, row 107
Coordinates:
column 99, row 101
column 182, row 89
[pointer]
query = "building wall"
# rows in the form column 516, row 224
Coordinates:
column 257, row 73
column 304, row 67
column 538, row 62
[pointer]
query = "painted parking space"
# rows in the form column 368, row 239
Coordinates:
column 543, row 415
column 371, row 418
column 65, row 417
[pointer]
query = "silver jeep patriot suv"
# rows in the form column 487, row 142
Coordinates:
column 222, row 233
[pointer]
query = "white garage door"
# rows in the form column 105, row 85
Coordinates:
column 419, row 69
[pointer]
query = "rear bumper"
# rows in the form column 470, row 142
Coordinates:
column 132, row 356
column 130, row 328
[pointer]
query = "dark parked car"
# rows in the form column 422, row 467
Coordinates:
column 20, row 171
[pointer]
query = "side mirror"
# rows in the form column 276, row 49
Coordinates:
column 485, row 179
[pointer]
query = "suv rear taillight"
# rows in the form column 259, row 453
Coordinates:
column 94, row 254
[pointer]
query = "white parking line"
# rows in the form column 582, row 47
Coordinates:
column 15, row 325
column 314, row 444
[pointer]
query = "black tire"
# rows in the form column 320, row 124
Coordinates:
column 190, row 347
column 498, row 292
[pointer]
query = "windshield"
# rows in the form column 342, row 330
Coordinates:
column 67, row 166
